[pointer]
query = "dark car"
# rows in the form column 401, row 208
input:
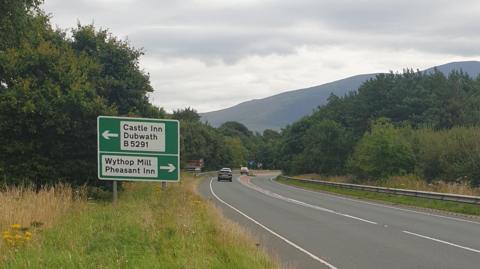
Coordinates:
column 225, row 174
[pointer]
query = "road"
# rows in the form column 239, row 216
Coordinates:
column 309, row 229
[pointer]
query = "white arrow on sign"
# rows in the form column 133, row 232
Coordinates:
column 107, row 135
column 170, row 167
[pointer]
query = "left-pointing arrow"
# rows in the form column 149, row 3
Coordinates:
column 170, row 167
column 107, row 135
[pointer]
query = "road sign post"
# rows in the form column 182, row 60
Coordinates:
column 138, row 149
column 115, row 193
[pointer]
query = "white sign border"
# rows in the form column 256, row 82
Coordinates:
column 141, row 179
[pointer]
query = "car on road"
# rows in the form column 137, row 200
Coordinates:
column 244, row 170
column 225, row 174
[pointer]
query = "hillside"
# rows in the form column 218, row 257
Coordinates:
column 279, row 110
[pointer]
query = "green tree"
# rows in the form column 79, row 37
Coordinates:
column 327, row 146
column 18, row 20
column 249, row 140
column 291, row 148
column 235, row 129
column 120, row 80
column 267, row 149
column 201, row 141
column 187, row 114
column 237, row 151
column 48, row 110
column 381, row 153
column 52, row 88
column 448, row 155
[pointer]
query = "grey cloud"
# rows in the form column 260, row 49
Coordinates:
column 191, row 29
column 188, row 42
column 213, row 42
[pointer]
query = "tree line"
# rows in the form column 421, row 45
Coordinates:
column 425, row 124
column 54, row 83
column 230, row 145
column 419, row 123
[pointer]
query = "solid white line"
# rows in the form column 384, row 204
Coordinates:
column 293, row 201
column 271, row 231
column 376, row 204
column 444, row 242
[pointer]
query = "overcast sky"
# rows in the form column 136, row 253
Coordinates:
column 212, row 54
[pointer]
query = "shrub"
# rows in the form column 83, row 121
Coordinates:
column 450, row 155
column 329, row 144
column 381, row 152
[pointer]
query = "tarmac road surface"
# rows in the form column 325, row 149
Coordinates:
column 307, row 229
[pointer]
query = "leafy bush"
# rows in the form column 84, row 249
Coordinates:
column 449, row 155
column 381, row 153
column 52, row 88
column 328, row 145
column 48, row 110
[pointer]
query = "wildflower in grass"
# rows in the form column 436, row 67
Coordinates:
column 28, row 236
column 16, row 236
column 6, row 235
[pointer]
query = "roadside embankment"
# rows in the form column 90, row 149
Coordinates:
column 410, row 182
column 147, row 228
column 449, row 206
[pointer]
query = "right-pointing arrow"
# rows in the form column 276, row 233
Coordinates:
column 170, row 167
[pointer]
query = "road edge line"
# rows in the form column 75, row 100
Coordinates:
column 271, row 231
column 301, row 203
column 340, row 196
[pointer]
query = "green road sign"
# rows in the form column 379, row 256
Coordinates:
column 138, row 149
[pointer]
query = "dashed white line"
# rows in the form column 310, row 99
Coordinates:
column 293, row 201
column 443, row 242
column 271, row 231
column 380, row 205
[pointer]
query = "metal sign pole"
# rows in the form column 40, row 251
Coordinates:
column 115, row 193
column 164, row 186
column 138, row 149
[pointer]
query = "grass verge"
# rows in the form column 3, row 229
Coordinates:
column 148, row 228
column 390, row 198
column 411, row 182
column 25, row 212
column 24, row 205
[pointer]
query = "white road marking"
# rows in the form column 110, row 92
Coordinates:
column 293, row 201
column 375, row 204
column 441, row 241
column 271, row 231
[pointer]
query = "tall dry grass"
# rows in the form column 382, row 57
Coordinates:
column 415, row 183
column 31, row 208
column 231, row 233
column 410, row 182
column 338, row 179
column 147, row 228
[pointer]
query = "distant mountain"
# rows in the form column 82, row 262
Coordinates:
column 472, row 68
column 279, row 110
